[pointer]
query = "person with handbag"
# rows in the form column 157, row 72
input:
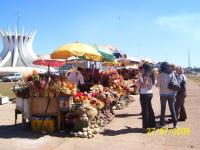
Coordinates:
column 145, row 83
column 166, row 94
column 181, row 95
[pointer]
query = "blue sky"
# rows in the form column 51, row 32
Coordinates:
column 160, row 29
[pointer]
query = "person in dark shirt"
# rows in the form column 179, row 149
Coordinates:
column 181, row 95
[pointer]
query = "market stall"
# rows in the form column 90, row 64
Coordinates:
column 55, row 103
column 83, row 113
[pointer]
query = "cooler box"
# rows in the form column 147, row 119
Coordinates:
column 48, row 125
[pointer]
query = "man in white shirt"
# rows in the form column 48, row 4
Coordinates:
column 75, row 77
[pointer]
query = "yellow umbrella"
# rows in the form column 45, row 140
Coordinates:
column 76, row 49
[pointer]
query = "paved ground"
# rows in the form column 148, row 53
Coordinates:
column 124, row 132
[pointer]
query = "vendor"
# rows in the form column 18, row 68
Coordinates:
column 75, row 76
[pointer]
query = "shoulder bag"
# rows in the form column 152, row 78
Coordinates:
column 173, row 83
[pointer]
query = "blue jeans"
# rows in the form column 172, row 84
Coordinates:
column 171, row 101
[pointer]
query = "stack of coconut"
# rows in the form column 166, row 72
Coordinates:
column 81, row 116
column 87, row 124
column 87, row 132
column 123, row 102
column 104, row 117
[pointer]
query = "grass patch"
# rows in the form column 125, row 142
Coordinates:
column 195, row 79
column 5, row 89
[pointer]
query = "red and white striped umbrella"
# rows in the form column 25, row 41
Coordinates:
column 48, row 61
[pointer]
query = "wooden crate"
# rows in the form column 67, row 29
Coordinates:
column 39, row 104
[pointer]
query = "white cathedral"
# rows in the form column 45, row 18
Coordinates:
column 17, row 54
column 17, row 49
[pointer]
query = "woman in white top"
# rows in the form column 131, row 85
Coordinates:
column 145, row 83
column 166, row 94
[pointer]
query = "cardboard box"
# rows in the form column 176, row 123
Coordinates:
column 4, row 100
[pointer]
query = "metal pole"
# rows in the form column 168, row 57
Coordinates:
column 189, row 65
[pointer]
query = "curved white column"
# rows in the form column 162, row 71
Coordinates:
column 3, row 40
column 15, row 56
column 30, row 45
column 6, row 59
column 22, row 50
column 17, row 46
column 5, row 54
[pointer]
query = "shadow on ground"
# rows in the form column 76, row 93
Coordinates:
column 126, row 115
column 108, row 132
column 24, row 131
column 158, row 117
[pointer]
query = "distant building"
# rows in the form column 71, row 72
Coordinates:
column 17, row 49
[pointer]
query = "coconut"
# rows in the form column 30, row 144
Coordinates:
column 75, row 134
column 92, row 130
column 90, row 136
column 118, row 105
column 89, row 133
column 80, row 134
column 98, row 121
column 92, row 113
column 84, row 129
column 72, row 133
column 84, row 135
column 96, row 130
column 88, row 129
column 92, row 126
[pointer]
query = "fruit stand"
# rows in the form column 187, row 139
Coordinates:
column 56, row 105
